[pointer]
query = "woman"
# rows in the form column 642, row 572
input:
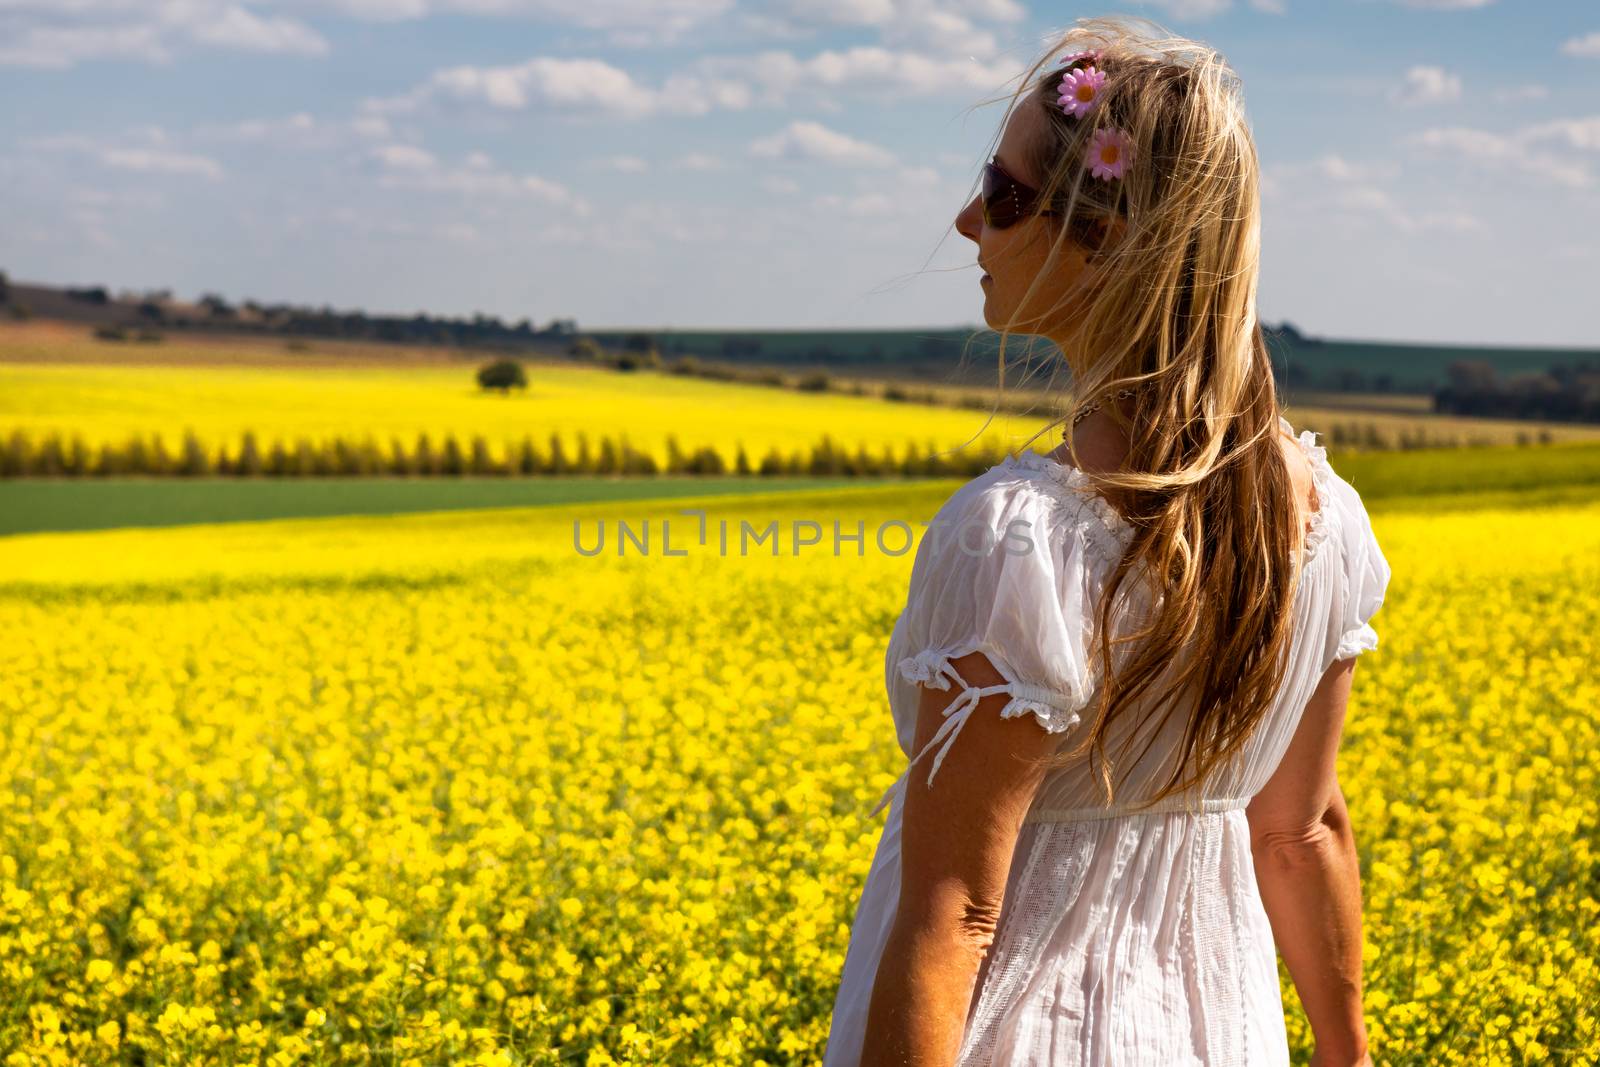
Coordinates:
column 1114, row 838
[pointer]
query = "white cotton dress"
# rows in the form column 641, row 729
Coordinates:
column 1125, row 938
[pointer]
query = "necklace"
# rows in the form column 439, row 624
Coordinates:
column 1083, row 413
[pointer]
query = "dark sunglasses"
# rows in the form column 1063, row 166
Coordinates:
column 1006, row 201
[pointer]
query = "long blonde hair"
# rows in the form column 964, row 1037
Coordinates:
column 1172, row 315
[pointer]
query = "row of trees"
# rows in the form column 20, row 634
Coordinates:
column 157, row 307
column 1567, row 391
column 52, row 457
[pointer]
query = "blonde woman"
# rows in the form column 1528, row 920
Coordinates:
column 1121, row 672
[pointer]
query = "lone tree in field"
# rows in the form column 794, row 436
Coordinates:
column 502, row 374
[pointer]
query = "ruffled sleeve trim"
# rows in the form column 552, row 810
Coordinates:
column 1367, row 572
column 1322, row 480
column 1361, row 639
column 1055, row 710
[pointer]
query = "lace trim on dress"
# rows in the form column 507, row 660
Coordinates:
column 932, row 668
column 1322, row 480
column 1108, row 530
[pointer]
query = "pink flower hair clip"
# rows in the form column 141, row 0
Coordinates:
column 1110, row 149
column 1109, row 154
column 1080, row 90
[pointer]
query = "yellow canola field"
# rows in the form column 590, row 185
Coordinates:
column 107, row 403
column 439, row 789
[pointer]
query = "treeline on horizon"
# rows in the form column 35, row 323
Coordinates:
column 1567, row 392
column 1299, row 361
column 131, row 315
column 211, row 312
column 52, row 456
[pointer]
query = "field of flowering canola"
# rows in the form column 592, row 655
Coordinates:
column 439, row 789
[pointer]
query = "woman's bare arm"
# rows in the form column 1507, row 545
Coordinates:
column 1309, row 875
column 957, row 839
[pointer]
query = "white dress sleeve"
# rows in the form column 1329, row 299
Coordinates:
column 1366, row 573
column 1012, row 569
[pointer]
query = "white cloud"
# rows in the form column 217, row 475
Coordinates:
column 235, row 27
column 623, row 164
column 53, row 47
column 146, row 149
column 1587, row 46
column 300, row 130
column 412, row 168
column 629, row 23
column 1427, row 85
column 1365, row 191
column 1581, row 133
column 949, row 27
column 1507, row 153
column 1380, row 203
column 917, row 195
column 565, row 86
column 803, row 139
column 595, row 88
column 883, row 72
column 52, row 34
column 860, row 205
column 155, row 161
column 1521, row 92
column 405, row 157
column 698, row 161
column 1331, row 167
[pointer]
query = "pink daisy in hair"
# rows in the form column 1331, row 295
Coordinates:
column 1080, row 89
column 1110, row 152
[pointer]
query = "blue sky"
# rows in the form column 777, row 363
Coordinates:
column 1432, row 167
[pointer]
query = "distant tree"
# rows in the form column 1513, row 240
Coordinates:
column 93, row 295
column 502, row 374
column 610, row 461
column 586, row 348
column 248, row 464
column 636, row 360
column 1469, row 375
column 528, row 460
column 5, row 287
column 454, row 462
